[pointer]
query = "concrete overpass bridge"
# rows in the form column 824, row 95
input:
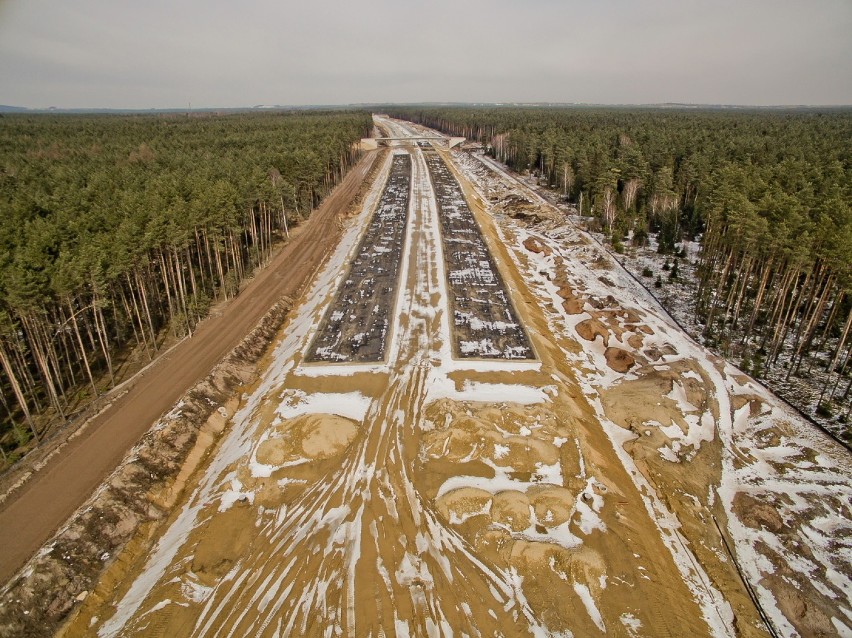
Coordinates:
column 369, row 143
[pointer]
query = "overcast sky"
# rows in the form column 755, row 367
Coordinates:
column 170, row 53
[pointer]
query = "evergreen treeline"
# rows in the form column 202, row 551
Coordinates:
column 767, row 192
column 118, row 230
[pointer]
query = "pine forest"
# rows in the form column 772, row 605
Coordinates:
column 767, row 194
column 118, row 232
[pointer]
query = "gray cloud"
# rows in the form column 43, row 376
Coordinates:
column 217, row 53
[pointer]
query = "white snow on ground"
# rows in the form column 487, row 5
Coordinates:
column 589, row 603
column 819, row 518
column 350, row 405
column 443, row 387
column 235, row 494
column 819, row 478
column 440, row 385
column 314, row 370
column 749, row 464
column 631, row 624
column 218, row 482
column 593, row 373
column 781, row 475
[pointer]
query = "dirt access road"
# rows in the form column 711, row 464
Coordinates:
column 31, row 514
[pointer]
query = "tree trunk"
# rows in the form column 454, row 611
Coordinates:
column 810, row 323
column 144, row 296
column 140, row 343
column 83, row 354
column 833, row 364
column 16, row 388
column 758, row 300
column 100, row 329
column 167, row 284
column 826, row 331
column 284, row 218
column 41, row 361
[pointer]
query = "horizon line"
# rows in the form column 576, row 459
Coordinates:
column 9, row 108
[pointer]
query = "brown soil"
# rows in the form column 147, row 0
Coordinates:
column 367, row 534
column 591, row 329
column 572, row 304
column 499, row 525
column 137, row 496
column 619, row 359
column 535, row 246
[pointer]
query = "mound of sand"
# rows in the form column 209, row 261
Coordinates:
column 329, row 436
column 553, row 505
column 619, row 359
column 571, row 302
column 535, row 246
column 512, row 509
column 589, row 330
column 462, row 503
column 313, row 436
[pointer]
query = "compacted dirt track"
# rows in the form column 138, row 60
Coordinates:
column 31, row 514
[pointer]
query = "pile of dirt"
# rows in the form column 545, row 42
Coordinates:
column 313, row 436
column 619, row 359
column 518, row 207
column 787, row 510
column 572, row 303
column 535, row 246
column 607, row 320
column 139, row 492
column 545, row 510
column 290, row 458
column 590, row 329
column 798, row 594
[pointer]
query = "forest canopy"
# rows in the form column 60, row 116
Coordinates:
column 118, row 230
column 768, row 193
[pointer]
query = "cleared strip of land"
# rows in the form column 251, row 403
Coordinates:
column 485, row 325
column 356, row 325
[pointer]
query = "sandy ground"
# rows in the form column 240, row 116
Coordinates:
column 30, row 514
column 574, row 495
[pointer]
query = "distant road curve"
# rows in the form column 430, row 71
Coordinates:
column 31, row 514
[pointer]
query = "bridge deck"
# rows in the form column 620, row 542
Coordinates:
column 424, row 137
